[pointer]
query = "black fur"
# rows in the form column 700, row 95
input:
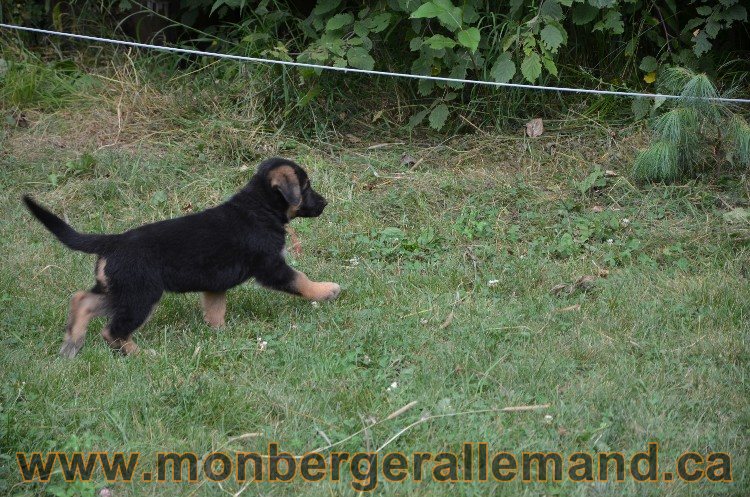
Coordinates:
column 209, row 251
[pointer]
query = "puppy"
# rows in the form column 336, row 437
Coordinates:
column 210, row 252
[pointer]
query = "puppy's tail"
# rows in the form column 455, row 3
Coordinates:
column 83, row 242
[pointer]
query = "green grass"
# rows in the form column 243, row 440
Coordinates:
column 658, row 350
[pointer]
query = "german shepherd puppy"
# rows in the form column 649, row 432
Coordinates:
column 210, row 252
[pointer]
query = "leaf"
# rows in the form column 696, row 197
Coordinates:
column 325, row 6
column 444, row 10
column 712, row 27
column 439, row 42
column 422, row 64
column 736, row 13
column 641, row 107
column 503, row 69
column 704, row 10
column 600, row 4
column 535, row 127
column 360, row 58
column 438, row 116
column 469, row 38
column 531, row 67
column 339, row 21
column 650, row 77
column 417, row 118
column 549, row 64
column 425, row 87
column 361, row 28
column 551, row 9
column 584, row 13
column 380, row 22
column 649, row 64
column 612, row 22
column 551, row 37
column 702, row 45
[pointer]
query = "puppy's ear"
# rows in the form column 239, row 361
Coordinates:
column 285, row 180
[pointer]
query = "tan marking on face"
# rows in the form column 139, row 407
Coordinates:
column 291, row 212
column 84, row 306
column 286, row 181
column 214, row 308
column 316, row 291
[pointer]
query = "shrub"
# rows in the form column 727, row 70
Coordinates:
column 692, row 131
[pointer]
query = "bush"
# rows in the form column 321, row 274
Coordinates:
column 623, row 41
column 692, row 131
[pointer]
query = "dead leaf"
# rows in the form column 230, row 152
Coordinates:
column 447, row 321
column 559, row 289
column 575, row 307
column 610, row 173
column 597, row 208
column 21, row 121
column 535, row 128
column 187, row 207
column 377, row 115
column 352, row 138
column 407, row 160
column 603, row 273
column 584, row 283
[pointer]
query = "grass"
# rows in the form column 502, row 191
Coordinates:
column 447, row 268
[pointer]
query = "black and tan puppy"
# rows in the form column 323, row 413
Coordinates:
column 210, row 252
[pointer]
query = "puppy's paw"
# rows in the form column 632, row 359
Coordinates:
column 326, row 291
column 70, row 348
column 214, row 323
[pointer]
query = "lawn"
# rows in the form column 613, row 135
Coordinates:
column 461, row 263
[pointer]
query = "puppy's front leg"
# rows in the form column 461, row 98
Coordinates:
column 278, row 275
column 214, row 308
column 313, row 290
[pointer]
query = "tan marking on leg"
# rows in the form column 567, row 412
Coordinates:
column 84, row 306
column 100, row 276
column 126, row 347
column 316, row 291
column 214, row 308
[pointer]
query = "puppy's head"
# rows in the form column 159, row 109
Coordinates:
column 289, row 185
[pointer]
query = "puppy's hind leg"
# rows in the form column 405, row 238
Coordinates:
column 214, row 308
column 84, row 306
column 127, row 317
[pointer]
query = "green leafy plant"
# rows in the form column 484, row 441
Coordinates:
column 520, row 40
column 691, row 131
column 394, row 245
